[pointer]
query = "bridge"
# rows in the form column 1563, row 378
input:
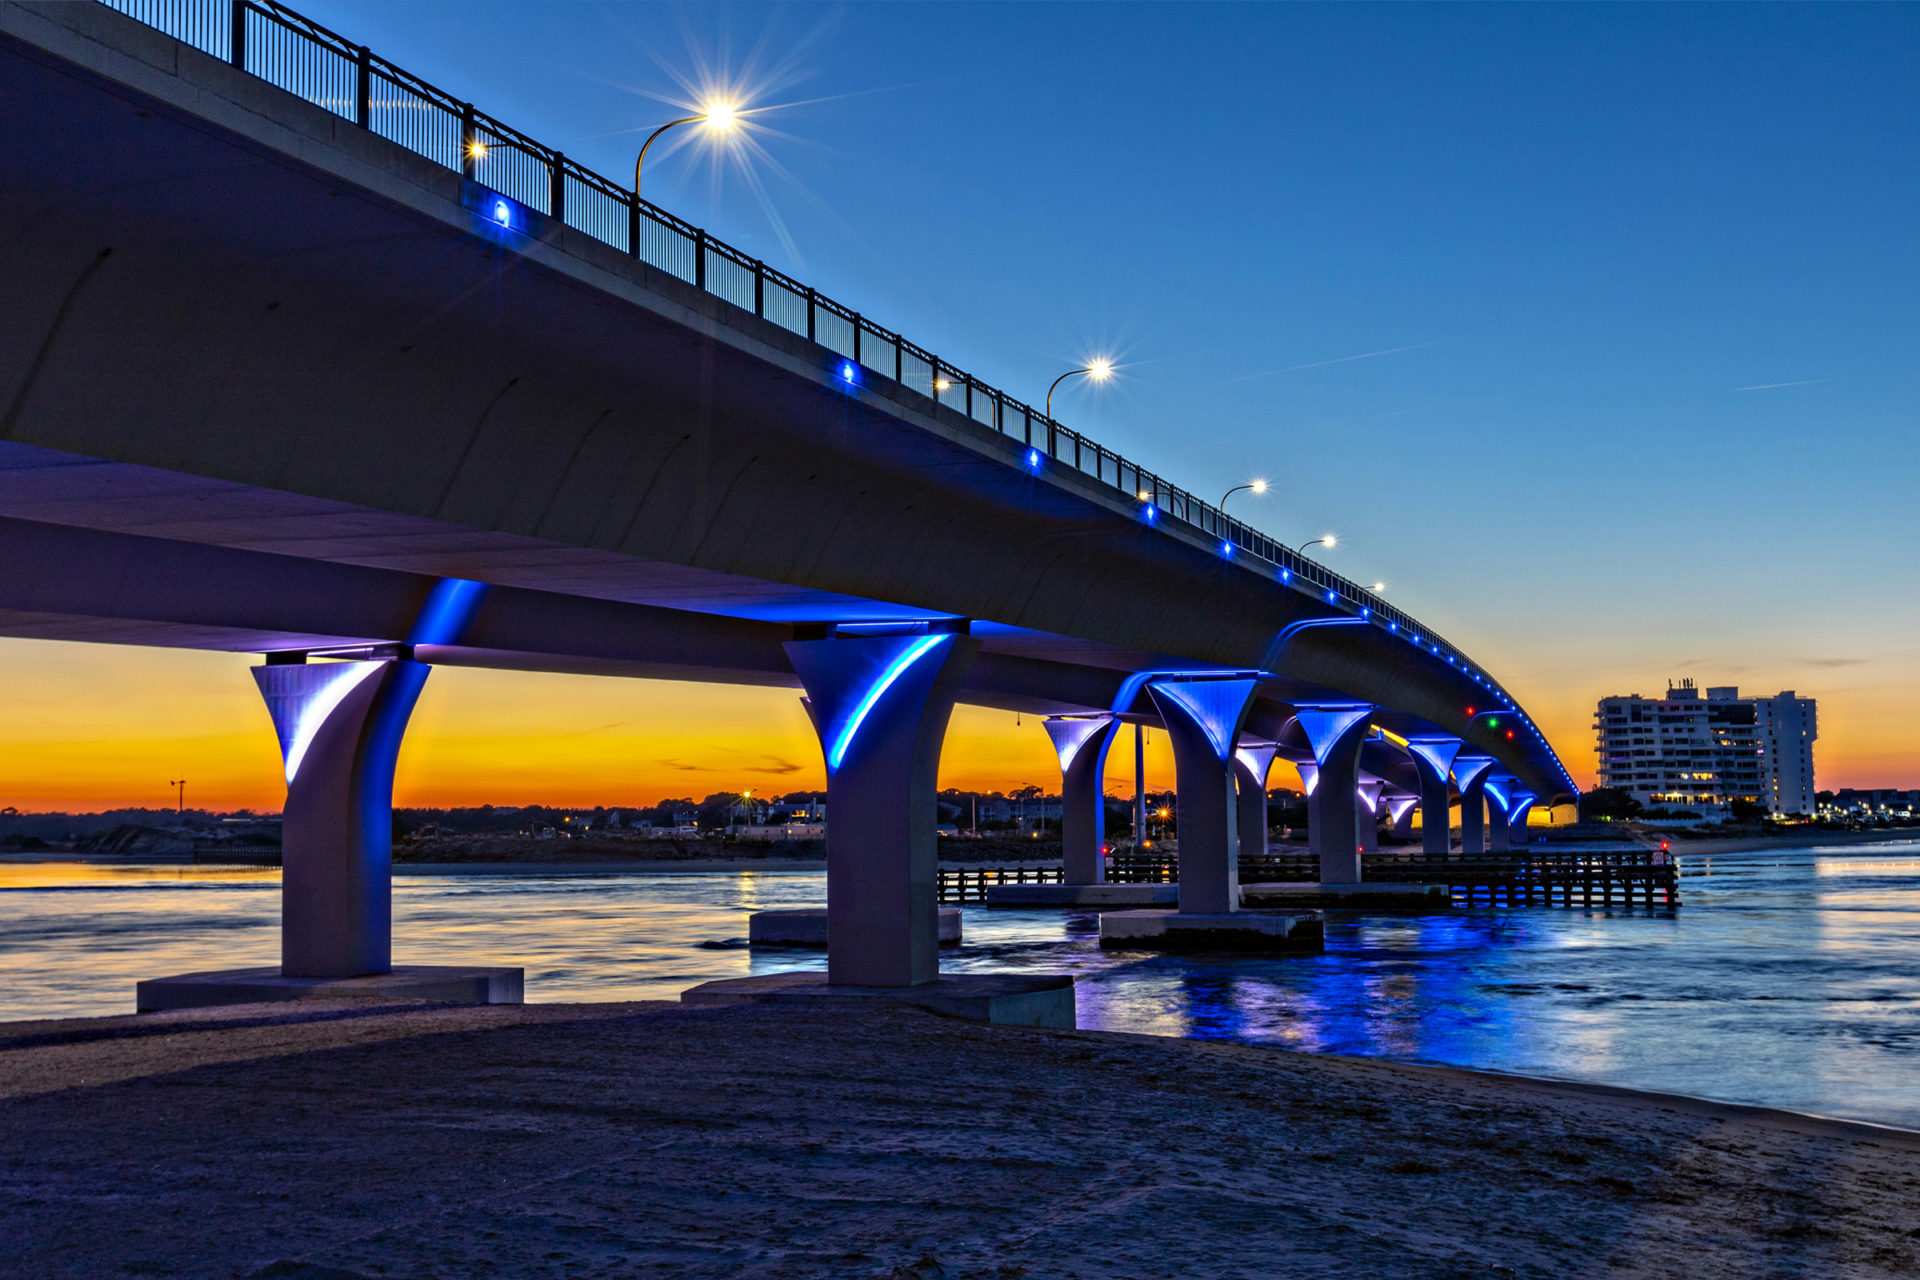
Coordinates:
column 289, row 365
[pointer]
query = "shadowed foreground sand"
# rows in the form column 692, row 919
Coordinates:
column 651, row 1140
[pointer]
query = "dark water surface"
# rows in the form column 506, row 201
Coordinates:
column 1790, row 977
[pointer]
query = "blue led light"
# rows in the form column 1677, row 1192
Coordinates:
column 1033, row 458
column 847, row 372
column 1393, row 626
column 912, row 654
column 1152, row 513
column 1286, row 575
column 1365, row 613
column 1226, row 549
column 503, row 213
column 1332, row 597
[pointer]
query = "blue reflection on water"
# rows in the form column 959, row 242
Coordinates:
column 1790, row 978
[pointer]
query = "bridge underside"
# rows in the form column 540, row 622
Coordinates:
column 266, row 376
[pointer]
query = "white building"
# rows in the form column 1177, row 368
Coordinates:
column 1685, row 752
column 1784, row 728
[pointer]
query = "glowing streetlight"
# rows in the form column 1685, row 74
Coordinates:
column 1097, row 370
column 719, row 116
column 1327, row 541
column 1254, row 486
column 1379, row 588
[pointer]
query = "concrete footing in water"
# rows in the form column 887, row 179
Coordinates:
column 1083, row 895
column 807, row 927
column 1398, row 897
column 1269, row 931
column 1010, row 999
column 449, row 984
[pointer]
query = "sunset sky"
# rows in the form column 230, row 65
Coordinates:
column 1590, row 330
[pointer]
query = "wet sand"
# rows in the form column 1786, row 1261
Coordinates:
column 648, row 1139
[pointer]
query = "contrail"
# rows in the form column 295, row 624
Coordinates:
column 1775, row 386
column 1321, row 364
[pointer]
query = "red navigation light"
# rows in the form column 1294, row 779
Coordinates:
column 1105, row 849
column 1663, row 846
column 1509, row 733
column 1469, row 710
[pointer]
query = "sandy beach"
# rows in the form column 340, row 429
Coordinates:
column 339, row 1141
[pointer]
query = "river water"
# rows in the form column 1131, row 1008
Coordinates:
column 1789, row 977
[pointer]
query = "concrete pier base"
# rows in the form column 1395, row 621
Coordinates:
column 807, row 927
column 1191, row 931
column 450, row 984
column 1083, row 895
column 1009, row 999
column 1372, row 896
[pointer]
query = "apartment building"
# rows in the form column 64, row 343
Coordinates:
column 1701, row 753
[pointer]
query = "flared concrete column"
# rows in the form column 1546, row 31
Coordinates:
column 880, row 705
column 1081, row 743
column 340, row 726
column 1203, row 723
column 1400, row 810
column 1433, row 761
column 1470, row 780
column 1519, row 806
column 1366, row 817
column 1336, row 734
column 1252, row 762
column 1501, row 789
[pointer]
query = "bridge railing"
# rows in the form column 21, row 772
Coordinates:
column 271, row 41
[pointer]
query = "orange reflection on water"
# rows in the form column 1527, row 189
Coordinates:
column 44, row 875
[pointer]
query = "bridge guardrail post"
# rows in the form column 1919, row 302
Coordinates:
column 363, row 87
column 237, row 38
column 557, row 190
column 700, row 260
column 469, row 132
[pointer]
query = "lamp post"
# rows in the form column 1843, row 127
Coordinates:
column 1253, row 486
column 1098, row 370
column 1328, row 541
column 719, row 117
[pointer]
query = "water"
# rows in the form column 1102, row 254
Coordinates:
column 1789, row 978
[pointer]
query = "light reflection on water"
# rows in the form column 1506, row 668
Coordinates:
column 1791, row 977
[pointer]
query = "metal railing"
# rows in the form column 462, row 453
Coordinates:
column 272, row 42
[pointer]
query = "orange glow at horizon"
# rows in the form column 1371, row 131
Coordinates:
column 90, row 727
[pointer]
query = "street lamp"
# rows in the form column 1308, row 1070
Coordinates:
column 720, row 117
column 1327, row 541
column 1255, row 486
column 1098, row 370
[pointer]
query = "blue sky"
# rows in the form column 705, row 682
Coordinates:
column 1590, row 329
column 1643, row 275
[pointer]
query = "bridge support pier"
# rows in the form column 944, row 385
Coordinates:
column 1499, row 793
column 1203, row 719
column 1470, row 779
column 1252, row 762
column 1517, row 811
column 1400, row 809
column 1081, row 743
column 880, row 705
column 340, row 726
column 1336, row 734
column 1366, row 816
column 1433, row 762
column 1203, row 722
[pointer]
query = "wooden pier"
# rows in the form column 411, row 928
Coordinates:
column 970, row 884
column 1522, row 878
